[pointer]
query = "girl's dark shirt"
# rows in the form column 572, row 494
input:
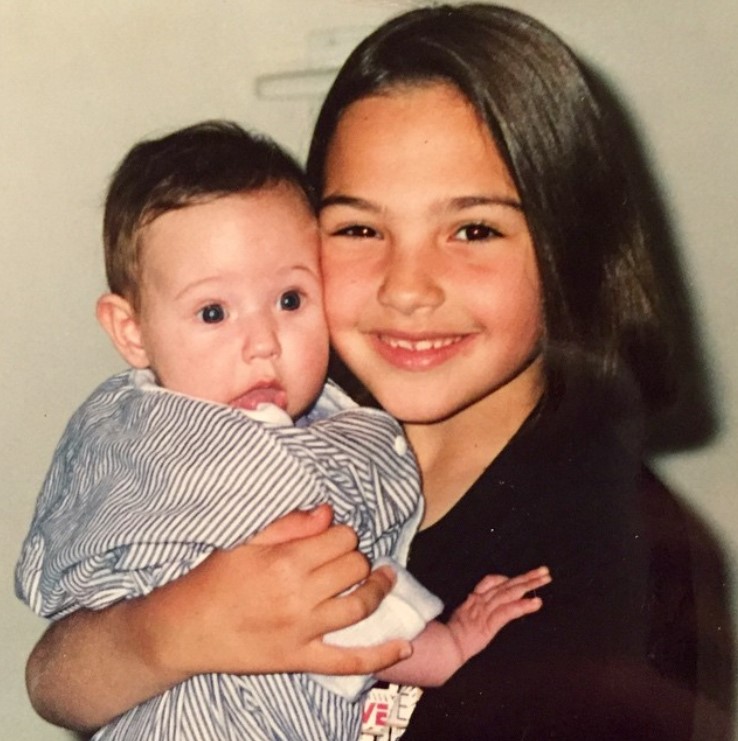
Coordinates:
column 611, row 654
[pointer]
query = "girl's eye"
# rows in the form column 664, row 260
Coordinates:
column 476, row 233
column 357, row 231
column 212, row 314
column 290, row 301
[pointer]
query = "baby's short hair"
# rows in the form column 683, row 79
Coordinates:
column 201, row 162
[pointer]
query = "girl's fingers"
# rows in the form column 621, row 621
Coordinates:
column 317, row 551
column 369, row 660
column 338, row 575
column 346, row 609
column 296, row 525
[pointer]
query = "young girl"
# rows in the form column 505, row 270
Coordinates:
column 490, row 283
column 488, row 280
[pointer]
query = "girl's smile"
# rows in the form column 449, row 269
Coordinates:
column 418, row 352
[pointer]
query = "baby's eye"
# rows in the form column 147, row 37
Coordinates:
column 357, row 231
column 290, row 301
column 212, row 314
column 476, row 233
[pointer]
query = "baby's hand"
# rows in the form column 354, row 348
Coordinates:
column 495, row 601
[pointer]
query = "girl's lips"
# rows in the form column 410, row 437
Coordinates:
column 418, row 353
column 262, row 393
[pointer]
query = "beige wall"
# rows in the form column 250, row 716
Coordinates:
column 81, row 80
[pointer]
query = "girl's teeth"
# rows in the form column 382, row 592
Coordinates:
column 420, row 345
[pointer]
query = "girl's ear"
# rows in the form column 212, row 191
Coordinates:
column 119, row 320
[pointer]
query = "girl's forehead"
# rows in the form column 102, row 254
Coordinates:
column 412, row 139
column 408, row 99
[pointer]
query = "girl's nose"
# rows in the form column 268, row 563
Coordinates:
column 411, row 281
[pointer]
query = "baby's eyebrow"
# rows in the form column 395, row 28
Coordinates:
column 299, row 267
column 192, row 287
column 302, row 271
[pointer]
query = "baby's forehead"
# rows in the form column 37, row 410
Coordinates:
column 268, row 229
column 280, row 204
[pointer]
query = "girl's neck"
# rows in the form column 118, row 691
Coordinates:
column 452, row 453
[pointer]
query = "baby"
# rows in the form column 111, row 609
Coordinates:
column 224, row 423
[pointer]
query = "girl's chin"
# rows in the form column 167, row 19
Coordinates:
column 417, row 407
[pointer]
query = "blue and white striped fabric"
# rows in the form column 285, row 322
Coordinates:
column 145, row 483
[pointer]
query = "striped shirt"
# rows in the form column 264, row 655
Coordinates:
column 146, row 483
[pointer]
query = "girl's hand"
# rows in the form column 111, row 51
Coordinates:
column 265, row 606
column 262, row 607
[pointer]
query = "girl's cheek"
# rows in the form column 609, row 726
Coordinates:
column 339, row 292
column 330, row 300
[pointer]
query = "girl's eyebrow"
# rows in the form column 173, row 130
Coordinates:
column 454, row 204
column 458, row 204
column 342, row 200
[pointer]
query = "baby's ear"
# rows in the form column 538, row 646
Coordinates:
column 119, row 320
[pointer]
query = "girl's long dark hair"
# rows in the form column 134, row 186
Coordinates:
column 602, row 302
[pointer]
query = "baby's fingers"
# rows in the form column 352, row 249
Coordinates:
column 502, row 598
column 530, row 580
column 502, row 614
column 491, row 581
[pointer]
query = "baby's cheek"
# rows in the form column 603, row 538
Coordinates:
column 315, row 351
